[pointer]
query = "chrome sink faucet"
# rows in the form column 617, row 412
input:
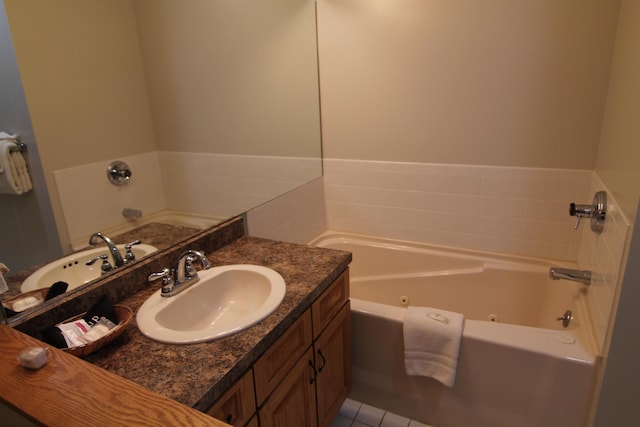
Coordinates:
column 185, row 271
column 580, row 276
column 118, row 261
column 183, row 276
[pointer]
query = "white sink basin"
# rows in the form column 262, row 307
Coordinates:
column 72, row 269
column 225, row 301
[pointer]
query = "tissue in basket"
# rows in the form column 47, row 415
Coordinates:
column 124, row 315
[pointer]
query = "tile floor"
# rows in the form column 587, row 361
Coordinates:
column 358, row 414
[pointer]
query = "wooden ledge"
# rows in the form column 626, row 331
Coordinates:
column 68, row 391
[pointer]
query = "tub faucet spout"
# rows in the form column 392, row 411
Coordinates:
column 580, row 276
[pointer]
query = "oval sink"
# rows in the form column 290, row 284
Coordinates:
column 73, row 270
column 225, row 301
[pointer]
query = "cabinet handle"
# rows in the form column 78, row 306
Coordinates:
column 229, row 419
column 315, row 373
column 324, row 361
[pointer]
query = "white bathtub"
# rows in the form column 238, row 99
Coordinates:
column 517, row 366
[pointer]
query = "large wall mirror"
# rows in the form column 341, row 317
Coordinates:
column 214, row 104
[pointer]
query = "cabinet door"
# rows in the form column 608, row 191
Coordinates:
column 238, row 404
column 293, row 402
column 329, row 303
column 279, row 359
column 333, row 362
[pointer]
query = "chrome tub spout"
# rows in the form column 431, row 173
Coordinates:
column 580, row 276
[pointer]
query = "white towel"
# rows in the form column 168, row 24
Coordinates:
column 432, row 343
column 14, row 173
column 22, row 171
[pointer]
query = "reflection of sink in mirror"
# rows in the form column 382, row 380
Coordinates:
column 225, row 301
column 72, row 269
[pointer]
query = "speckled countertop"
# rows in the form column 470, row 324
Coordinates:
column 197, row 374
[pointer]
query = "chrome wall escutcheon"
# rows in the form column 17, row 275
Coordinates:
column 118, row 172
column 596, row 212
column 599, row 211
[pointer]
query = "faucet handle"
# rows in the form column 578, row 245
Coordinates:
column 129, row 256
column 596, row 212
column 167, row 280
column 105, row 267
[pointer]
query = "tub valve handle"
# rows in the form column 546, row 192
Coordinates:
column 566, row 318
column 596, row 212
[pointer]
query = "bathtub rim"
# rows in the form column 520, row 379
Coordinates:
column 490, row 258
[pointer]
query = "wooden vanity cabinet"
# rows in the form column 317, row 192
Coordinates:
column 279, row 360
column 305, row 376
column 238, row 404
column 293, row 402
column 333, row 363
column 312, row 392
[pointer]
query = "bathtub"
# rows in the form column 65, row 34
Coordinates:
column 518, row 365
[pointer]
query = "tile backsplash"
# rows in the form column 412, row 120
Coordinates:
column 297, row 216
column 217, row 185
column 522, row 211
column 91, row 203
column 603, row 254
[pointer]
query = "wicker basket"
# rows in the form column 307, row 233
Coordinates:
column 124, row 315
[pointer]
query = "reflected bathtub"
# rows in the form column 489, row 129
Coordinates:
column 518, row 366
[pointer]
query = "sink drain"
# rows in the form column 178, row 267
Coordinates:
column 492, row 318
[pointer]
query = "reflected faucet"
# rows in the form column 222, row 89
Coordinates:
column 118, row 261
column 580, row 276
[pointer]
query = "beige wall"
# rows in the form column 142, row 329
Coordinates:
column 84, row 83
column 83, row 77
column 495, row 82
column 237, row 77
column 618, row 163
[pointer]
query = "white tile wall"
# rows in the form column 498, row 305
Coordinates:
column 201, row 183
column 91, row 203
column 521, row 211
column 603, row 254
column 297, row 216
column 226, row 185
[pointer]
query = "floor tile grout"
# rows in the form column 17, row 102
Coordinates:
column 357, row 414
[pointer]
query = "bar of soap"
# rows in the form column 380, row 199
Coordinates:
column 33, row 357
column 27, row 302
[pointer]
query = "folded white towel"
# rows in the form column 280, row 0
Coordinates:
column 7, row 141
column 22, row 171
column 432, row 343
column 9, row 181
column 14, row 172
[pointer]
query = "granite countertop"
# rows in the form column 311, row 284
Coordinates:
column 197, row 374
